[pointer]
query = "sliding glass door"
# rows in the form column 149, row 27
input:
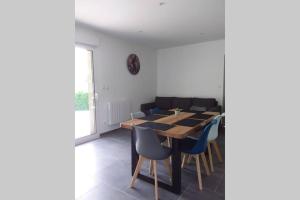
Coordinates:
column 84, row 93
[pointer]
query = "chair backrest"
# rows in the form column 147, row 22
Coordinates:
column 154, row 110
column 147, row 142
column 201, row 143
column 138, row 114
column 214, row 130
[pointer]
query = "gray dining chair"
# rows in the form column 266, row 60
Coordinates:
column 135, row 115
column 163, row 139
column 148, row 146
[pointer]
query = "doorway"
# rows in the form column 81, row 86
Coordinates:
column 84, row 94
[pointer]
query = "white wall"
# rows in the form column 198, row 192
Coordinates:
column 112, row 79
column 192, row 71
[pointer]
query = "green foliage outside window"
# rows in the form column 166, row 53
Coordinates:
column 81, row 101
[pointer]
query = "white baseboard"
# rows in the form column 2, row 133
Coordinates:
column 86, row 139
column 96, row 135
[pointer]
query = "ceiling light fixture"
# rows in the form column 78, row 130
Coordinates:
column 162, row 3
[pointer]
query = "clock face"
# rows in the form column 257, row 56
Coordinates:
column 133, row 64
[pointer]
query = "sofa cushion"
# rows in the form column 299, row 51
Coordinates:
column 198, row 108
column 183, row 103
column 204, row 102
column 164, row 103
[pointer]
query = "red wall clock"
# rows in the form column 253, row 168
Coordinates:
column 133, row 64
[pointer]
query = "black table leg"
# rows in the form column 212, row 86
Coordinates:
column 134, row 154
column 176, row 166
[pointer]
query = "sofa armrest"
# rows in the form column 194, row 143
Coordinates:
column 147, row 106
column 215, row 109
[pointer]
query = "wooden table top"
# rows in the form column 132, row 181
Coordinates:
column 172, row 119
column 178, row 132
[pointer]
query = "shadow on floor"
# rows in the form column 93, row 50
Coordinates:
column 103, row 171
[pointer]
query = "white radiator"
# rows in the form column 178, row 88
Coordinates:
column 118, row 111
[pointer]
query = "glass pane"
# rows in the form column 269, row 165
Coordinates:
column 84, row 93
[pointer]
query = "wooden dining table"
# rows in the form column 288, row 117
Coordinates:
column 180, row 126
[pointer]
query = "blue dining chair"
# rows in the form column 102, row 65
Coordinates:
column 197, row 148
column 211, row 139
column 154, row 110
column 148, row 146
column 212, row 142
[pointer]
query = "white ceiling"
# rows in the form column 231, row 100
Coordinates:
column 177, row 22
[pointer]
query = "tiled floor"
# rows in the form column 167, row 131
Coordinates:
column 82, row 123
column 103, row 171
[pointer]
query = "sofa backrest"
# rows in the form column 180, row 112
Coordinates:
column 164, row 103
column 206, row 102
column 167, row 103
column 182, row 103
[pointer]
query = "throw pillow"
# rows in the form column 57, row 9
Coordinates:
column 198, row 108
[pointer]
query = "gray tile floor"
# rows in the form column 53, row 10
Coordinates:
column 103, row 171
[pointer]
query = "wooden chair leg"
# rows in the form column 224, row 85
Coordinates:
column 168, row 166
column 210, row 158
column 137, row 170
column 189, row 159
column 151, row 168
column 205, row 164
column 155, row 180
column 168, row 142
column 169, row 145
column 183, row 160
column 198, row 172
column 217, row 149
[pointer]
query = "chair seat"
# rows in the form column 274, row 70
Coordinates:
column 187, row 145
column 161, row 138
column 195, row 136
column 161, row 154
